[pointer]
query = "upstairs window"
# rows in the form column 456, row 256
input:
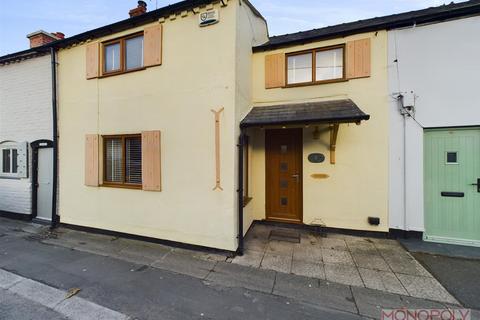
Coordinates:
column 112, row 57
column 316, row 66
column 123, row 55
column 300, row 68
column 123, row 161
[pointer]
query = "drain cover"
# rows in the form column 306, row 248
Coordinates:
column 285, row 235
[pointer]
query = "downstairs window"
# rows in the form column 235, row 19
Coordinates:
column 122, row 161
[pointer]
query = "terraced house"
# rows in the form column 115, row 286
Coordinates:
column 27, row 130
column 188, row 123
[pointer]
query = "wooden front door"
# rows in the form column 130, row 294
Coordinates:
column 283, row 162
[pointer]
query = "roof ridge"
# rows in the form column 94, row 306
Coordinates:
column 374, row 23
column 381, row 17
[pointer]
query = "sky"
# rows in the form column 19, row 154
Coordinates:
column 19, row 18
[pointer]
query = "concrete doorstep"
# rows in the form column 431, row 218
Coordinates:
column 74, row 308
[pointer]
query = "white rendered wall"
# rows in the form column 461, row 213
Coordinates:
column 439, row 63
column 25, row 115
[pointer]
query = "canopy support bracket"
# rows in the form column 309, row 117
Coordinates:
column 333, row 141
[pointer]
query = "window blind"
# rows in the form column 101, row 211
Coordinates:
column 14, row 161
column 133, row 160
column 6, row 160
column 114, row 160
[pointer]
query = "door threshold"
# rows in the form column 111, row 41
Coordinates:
column 285, row 221
column 42, row 221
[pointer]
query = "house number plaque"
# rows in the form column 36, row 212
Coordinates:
column 316, row 157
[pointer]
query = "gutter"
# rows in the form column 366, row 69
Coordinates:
column 444, row 13
column 55, row 216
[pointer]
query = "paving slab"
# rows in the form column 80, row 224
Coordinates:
column 258, row 232
column 38, row 292
column 344, row 274
column 308, row 252
column 381, row 280
column 371, row 302
column 310, row 238
column 80, row 309
column 381, row 243
column 310, row 290
column 333, row 243
column 256, row 245
column 308, row 269
column 426, row 288
column 281, row 248
column 332, row 256
column 372, row 261
column 14, row 307
column 184, row 264
column 8, row 279
column 280, row 263
column 249, row 258
column 402, row 262
column 232, row 275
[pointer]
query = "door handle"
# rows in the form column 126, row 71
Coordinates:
column 296, row 176
column 477, row 184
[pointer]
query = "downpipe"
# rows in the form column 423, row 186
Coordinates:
column 55, row 217
column 241, row 143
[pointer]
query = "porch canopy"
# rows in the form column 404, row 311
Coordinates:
column 334, row 112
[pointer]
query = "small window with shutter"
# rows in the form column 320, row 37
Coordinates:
column 321, row 65
column 129, row 53
column 122, row 161
column 13, row 160
column 128, row 161
column 122, row 55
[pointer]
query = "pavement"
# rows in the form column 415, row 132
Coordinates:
column 457, row 267
column 120, row 278
column 380, row 264
column 441, row 249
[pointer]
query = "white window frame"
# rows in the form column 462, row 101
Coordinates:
column 8, row 146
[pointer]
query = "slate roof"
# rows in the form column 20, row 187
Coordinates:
column 151, row 16
column 429, row 15
column 334, row 111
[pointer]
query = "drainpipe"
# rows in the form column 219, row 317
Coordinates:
column 55, row 217
column 405, row 214
column 241, row 142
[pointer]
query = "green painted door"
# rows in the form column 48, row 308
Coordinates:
column 452, row 203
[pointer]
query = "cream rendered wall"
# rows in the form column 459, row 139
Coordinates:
column 197, row 75
column 357, row 186
column 251, row 31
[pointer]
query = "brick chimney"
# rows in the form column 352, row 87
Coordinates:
column 139, row 10
column 39, row 38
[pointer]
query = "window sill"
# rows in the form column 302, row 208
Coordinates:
column 11, row 177
column 116, row 73
column 306, row 84
column 122, row 186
